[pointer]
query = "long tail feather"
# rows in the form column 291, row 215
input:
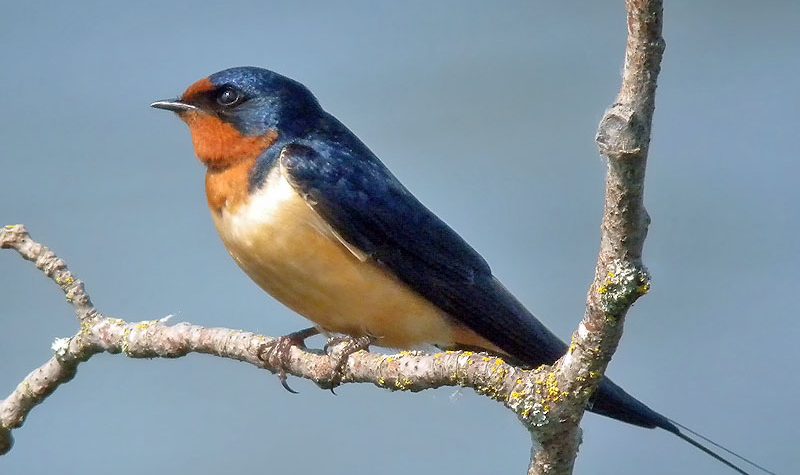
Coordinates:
column 710, row 452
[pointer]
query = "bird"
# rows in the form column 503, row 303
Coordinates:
column 316, row 220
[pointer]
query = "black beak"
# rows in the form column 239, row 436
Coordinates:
column 173, row 105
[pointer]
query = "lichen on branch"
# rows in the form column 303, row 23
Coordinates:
column 549, row 400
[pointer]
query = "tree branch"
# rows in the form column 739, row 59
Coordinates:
column 407, row 371
column 623, row 138
column 549, row 400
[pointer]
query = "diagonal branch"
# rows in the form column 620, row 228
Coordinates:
column 407, row 371
column 620, row 277
column 549, row 400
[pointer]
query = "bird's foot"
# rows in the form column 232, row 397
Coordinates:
column 276, row 351
column 353, row 344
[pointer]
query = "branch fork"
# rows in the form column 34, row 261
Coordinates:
column 549, row 400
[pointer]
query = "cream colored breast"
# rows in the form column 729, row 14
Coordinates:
column 293, row 254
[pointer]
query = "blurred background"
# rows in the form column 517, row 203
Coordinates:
column 487, row 111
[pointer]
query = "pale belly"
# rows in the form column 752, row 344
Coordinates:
column 290, row 252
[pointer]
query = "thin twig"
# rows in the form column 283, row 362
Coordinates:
column 623, row 138
column 549, row 401
column 407, row 371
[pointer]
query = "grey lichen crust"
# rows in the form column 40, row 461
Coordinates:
column 623, row 285
column 405, row 371
column 549, row 400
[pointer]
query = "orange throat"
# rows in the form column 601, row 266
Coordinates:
column 228, row 188
column 219, row 145
column 229, row 156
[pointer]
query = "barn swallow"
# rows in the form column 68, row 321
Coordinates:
column 318, row 222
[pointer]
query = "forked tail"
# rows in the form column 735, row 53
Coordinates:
column 676, row 427
column 612, row 401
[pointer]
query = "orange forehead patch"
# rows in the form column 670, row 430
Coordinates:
column 201, row 86
column 219, row 145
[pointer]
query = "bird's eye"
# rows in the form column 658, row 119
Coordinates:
column 228, row 97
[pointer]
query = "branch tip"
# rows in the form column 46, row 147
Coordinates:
column 549, row 401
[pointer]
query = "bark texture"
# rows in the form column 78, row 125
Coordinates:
column 549, row 401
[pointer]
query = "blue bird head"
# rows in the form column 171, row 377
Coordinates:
column 239, row 112
column 253, row 100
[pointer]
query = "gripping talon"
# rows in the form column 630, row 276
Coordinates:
column 335, row 340
column 354, row 345
column 278, row 351
column 284, row 383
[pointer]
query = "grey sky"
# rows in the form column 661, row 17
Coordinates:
column 487, row 111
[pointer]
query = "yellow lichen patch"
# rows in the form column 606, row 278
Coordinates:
column 550, row 390
column 124, row 344
column 26, row 388
column 86, row 327
column 500, row 372
column 459, row 379
column 644, row 288
column 494, row 391
column 551, row 383
column 64, row 281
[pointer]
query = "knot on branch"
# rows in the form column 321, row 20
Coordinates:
column 623, row 285
column 534, row 396
column 12, row 234
column 545, row 398
column 621, row 133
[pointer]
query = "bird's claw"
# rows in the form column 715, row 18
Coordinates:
column 352, row 345
column 276, row 351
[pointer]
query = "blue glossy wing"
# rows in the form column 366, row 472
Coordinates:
column 353, row 191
